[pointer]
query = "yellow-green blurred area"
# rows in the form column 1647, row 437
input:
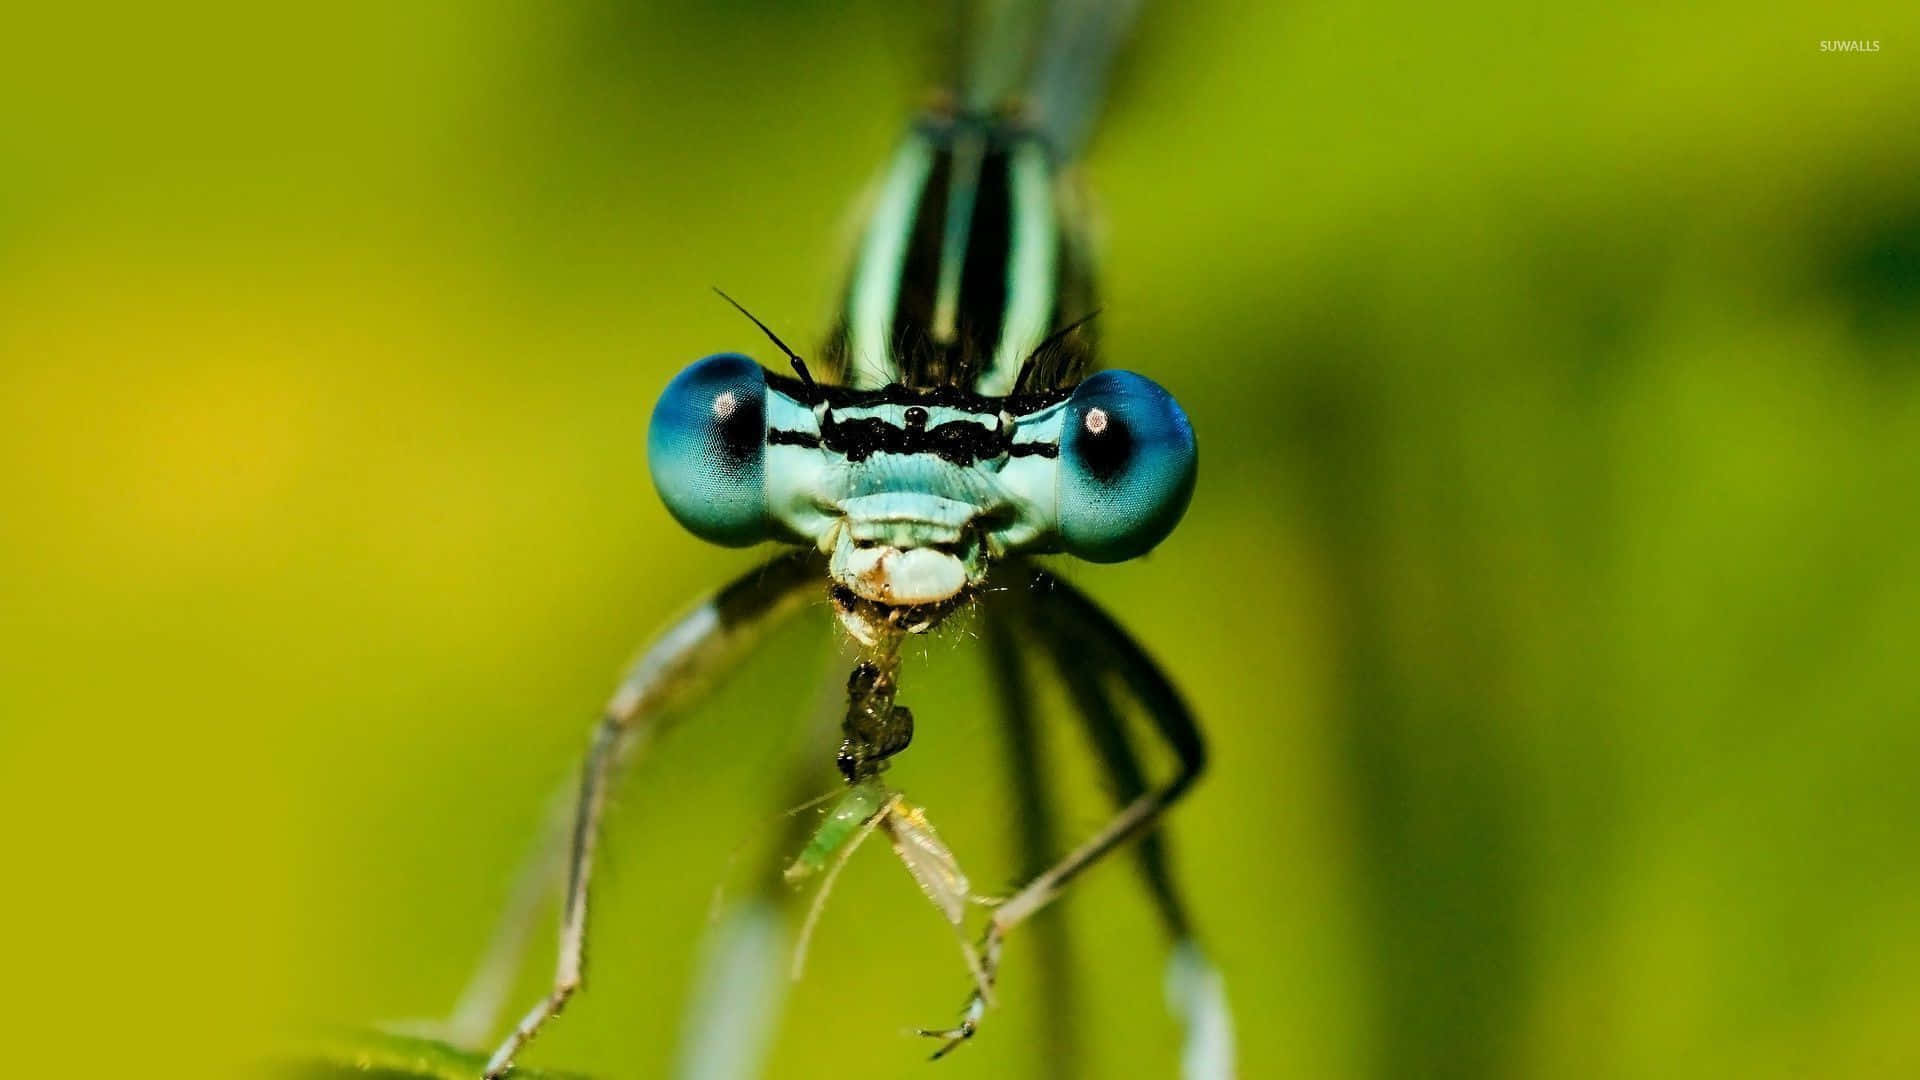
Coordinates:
column 1550, row 595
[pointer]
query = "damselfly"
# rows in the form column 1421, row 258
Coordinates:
column 952, row 426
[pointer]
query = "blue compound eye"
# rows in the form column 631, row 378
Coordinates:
column 1127, row 461
column 707, row 449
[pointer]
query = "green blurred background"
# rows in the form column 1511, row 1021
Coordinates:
column 1549, row 594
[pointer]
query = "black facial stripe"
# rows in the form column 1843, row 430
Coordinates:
column 783, row 437
column 947, row 397
column 961, row 442
column 856, row 450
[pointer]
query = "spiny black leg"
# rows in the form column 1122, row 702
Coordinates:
column 1195, row 991
column 1126, row 781
column 1097, row 642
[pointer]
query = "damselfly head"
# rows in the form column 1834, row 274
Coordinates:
column 913, row 492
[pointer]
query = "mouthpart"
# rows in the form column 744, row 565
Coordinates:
column 871, row 622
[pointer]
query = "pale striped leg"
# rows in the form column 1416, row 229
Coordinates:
column 665, row 675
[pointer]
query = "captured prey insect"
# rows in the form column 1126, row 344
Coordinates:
column 953, row 426
column 868, row 805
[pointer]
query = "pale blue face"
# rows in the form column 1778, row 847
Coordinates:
column 912, row 494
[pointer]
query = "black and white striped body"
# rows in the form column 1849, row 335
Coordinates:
column 973, row 257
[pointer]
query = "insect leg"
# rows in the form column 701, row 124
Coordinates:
column 1056, row 610
column 1036, row 828
column 1195, row 991
column 665, row 675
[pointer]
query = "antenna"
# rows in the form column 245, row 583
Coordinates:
column 799, row 365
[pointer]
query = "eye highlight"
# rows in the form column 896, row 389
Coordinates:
column 706, row 449
column 1127, row 466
